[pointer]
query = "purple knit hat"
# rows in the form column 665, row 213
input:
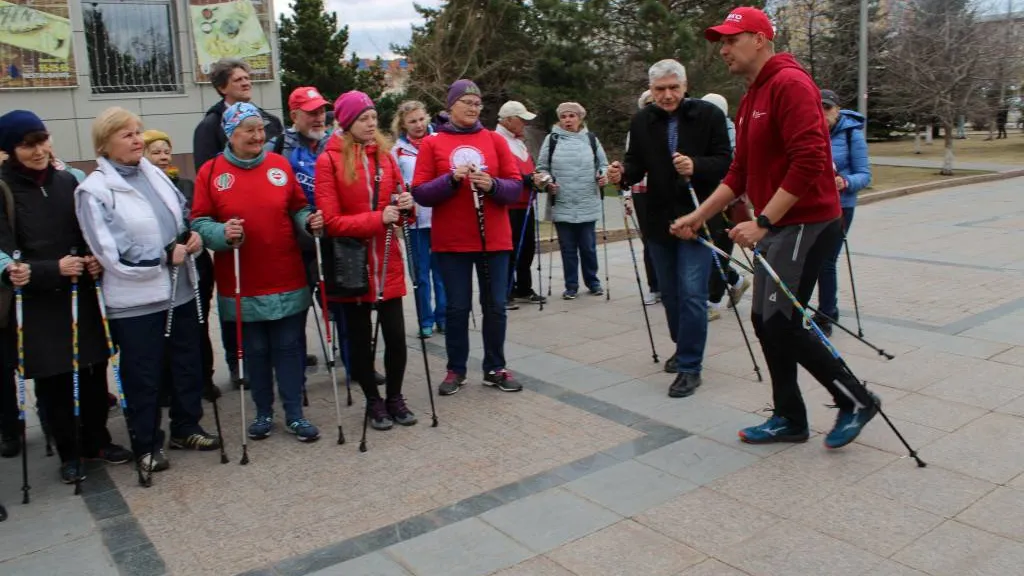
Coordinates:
column 350, row 106
column 459, row 89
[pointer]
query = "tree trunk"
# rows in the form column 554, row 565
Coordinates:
column 947, row 159
column 917, row 139
column 929, row 134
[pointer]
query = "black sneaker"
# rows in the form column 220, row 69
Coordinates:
column 502, row 380
column 399, row 412
column 531, row 298
column 113, row 454
column 670, row 365
column 597, row 291
column 69, row 470
column 202, row 441
column 378, row 415
column 10, row 447
column 311, row 360
column 452, row 384
column 157, row 462
column 511, row 305
column 685, row 385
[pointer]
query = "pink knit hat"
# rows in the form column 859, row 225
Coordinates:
column 350, row 106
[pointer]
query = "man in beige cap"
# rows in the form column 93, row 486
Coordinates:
column 512, row 119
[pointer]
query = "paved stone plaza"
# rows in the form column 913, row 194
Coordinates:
column 594, row 471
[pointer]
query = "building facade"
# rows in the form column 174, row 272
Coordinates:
column 68, row 60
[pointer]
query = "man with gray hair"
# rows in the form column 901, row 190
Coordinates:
column 677, row 143
column 230, row 78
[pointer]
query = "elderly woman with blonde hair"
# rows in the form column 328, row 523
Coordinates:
column 134, row 221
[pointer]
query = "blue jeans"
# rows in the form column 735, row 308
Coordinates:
column 144, row 350
column 427, row 269
column 276, row 348
column 683, row 269
column 828, row 282
column 578, row 244
column 457, row 271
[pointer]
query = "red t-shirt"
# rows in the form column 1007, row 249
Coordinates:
column 455, row 227
column 265, row 197
column 782, row 141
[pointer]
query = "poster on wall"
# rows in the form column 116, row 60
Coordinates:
column 35, row 45
column 236, row 29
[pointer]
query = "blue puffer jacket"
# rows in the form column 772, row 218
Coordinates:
column 572, row 165
column 850, row 154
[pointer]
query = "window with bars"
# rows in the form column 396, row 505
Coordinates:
column 131, row 46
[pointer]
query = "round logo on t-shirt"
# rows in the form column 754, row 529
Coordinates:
column 277, row 177
column 467, row 156
column 224, row 181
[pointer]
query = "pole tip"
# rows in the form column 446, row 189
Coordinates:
column 434, row 424
column 362, row 446
column 224, row 459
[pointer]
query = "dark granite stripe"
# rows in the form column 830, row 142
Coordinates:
column 132, row 550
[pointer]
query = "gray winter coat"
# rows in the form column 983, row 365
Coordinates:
column 572, row 166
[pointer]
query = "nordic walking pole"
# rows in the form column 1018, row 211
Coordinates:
column 725, row 282
column 832, row 349
column 419, row 314
column 194, row 273
column 519, row 246
column 75, row 380
column 853, row 284
column 239, row 349
column 604, row 242
column 388, row 236
column 862, row 340
column 327, row 325
column 536, row 250
column 551, row 242
column 20, row 315
column 115, row 363
column 478, row 203
column 639, row 285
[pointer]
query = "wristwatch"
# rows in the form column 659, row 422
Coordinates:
column 764, row 222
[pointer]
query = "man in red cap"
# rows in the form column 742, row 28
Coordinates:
column 303, row 143
column 783, row 164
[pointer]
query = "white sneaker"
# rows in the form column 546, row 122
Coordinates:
column 737, row 290
column 651, row 299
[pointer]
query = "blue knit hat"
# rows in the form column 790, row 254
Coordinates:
column 236, row 114
column 15, row 125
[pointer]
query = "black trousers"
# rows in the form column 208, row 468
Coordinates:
column 640, row 209
column 56, row 394
column 359, row 323
column 796, row 253
column 717, row 286
column 523, row 284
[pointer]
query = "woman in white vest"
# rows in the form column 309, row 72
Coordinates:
column 134, row 221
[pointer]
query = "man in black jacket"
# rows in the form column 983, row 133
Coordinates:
column 230, row 77
column 677, row 142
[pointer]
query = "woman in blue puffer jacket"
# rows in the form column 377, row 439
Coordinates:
column 577, row 165
column 853, row 173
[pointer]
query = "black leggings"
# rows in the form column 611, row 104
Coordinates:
column 56, row 395
column 359, row 323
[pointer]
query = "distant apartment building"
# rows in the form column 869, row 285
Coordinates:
column 396, row 72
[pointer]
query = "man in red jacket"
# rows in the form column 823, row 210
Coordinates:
column 783, row 164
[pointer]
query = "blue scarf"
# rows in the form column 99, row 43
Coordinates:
column 673, row 134
column 244, row 164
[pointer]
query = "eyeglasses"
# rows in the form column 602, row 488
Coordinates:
column 470, row 104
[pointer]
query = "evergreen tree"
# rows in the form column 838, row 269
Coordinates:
column 312, row 48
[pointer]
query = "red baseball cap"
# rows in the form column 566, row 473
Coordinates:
column 307, row 99
column 743, row 19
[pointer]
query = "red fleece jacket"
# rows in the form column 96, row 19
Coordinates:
column 782, row 141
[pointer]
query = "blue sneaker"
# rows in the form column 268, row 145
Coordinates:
column 426, row 332
column 776, row 429
column 849, row 424
column 569, row 295
column 261, row 427
column 304, row 431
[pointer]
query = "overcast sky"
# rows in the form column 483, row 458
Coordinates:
column 373, row 24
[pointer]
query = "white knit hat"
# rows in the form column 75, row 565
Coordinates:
column 643, row 99
column 717, row 100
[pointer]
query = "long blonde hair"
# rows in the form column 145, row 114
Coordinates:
column 404, row 109
column 350, row 150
